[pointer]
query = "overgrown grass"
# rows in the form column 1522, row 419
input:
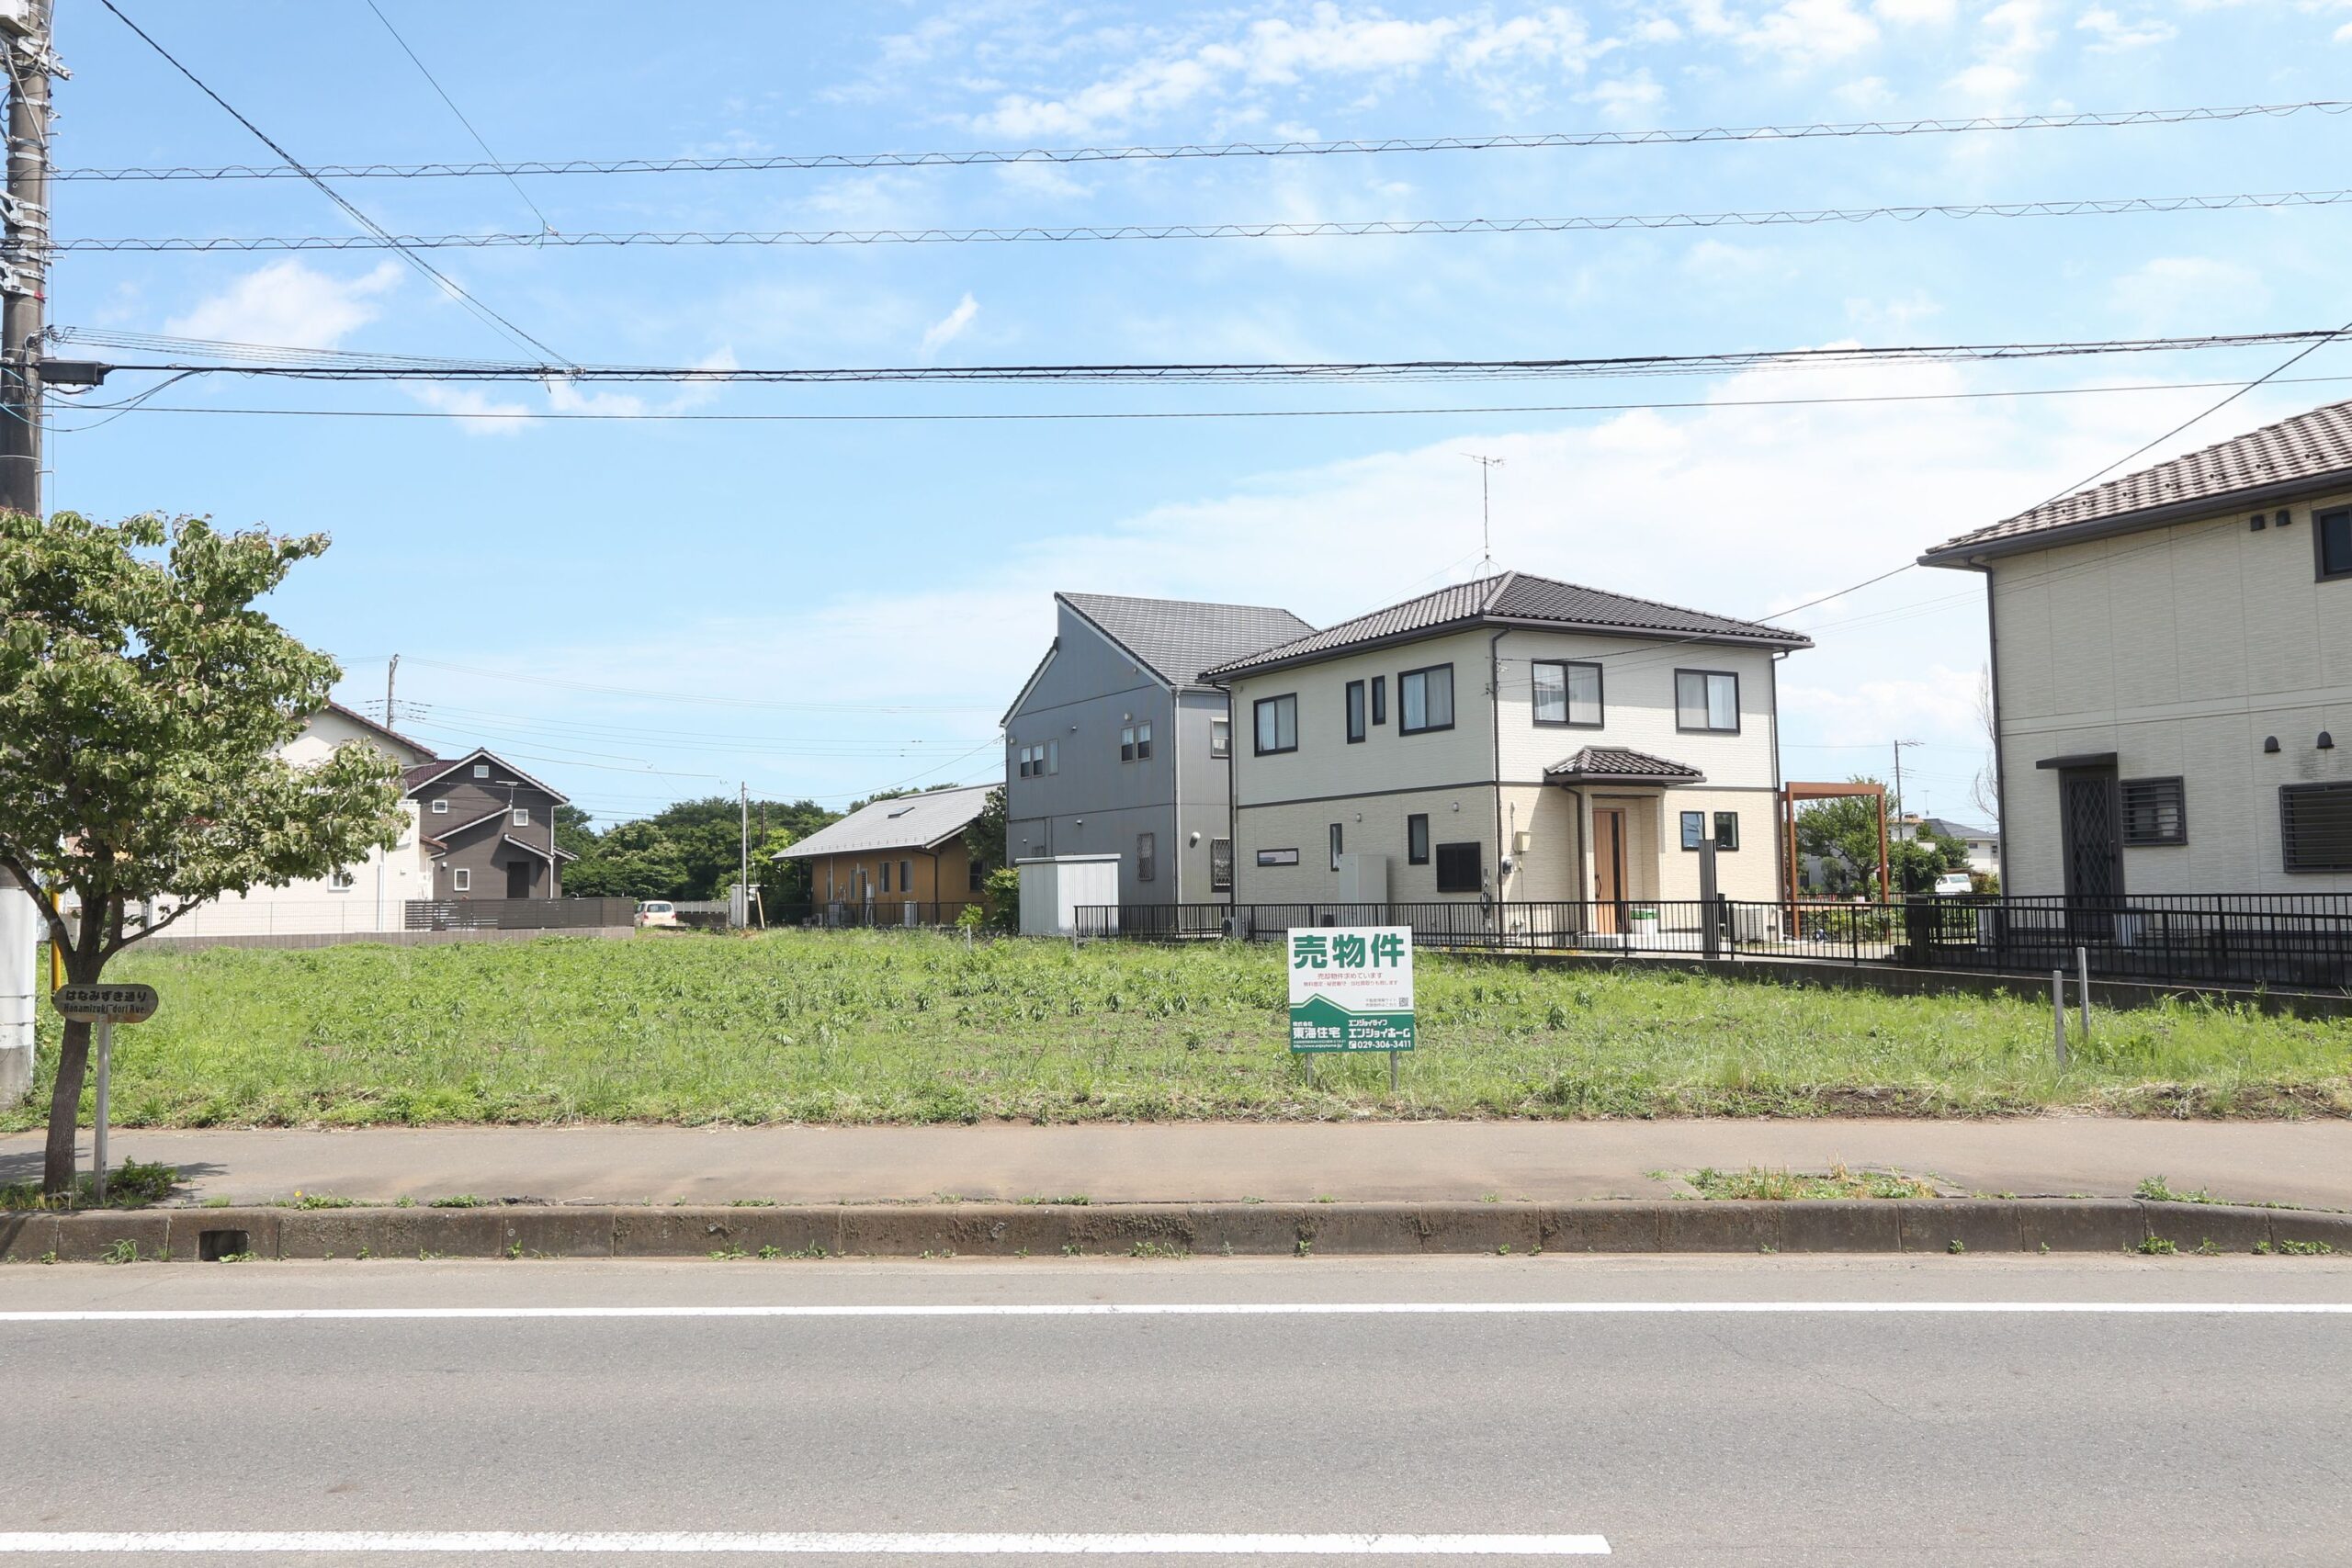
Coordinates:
column 1758, row 1182
column 863, row 1027
column 133, row 1184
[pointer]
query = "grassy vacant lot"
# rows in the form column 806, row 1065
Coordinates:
column 903, row 1027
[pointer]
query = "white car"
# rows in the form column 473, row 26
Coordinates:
column 656, row 912
column 1951, row 883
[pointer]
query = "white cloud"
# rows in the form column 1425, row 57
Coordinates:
column 950, row 327
column 2176, row 293
column 2112, row 35
column 1806, row 32
column 2012, row 36
column 1915, row 12
column 290, row 304
column 1864, row 93
column 1626, row 98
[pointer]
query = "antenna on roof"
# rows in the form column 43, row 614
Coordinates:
column 1487, row 466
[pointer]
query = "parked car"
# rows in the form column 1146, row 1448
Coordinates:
column 1951, row 883
column 656, row 912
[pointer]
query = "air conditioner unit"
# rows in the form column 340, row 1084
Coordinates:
column 16, row 18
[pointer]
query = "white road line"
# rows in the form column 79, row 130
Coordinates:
column 1196, row 1309
column 798, row 1542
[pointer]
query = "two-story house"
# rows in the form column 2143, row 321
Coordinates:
column 1117, row 746
column 488, row 828
column 2172, row 672
column 1515, row 739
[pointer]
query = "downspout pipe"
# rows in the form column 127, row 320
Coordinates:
column 2000, row 763
column 1494, row 727
column 1232, row 798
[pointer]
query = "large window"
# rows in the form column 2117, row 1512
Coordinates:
column 1461, row 868
column 1417, row 839
column 1338, row 840
column 1037, row 761
column 1146, row 857
column 2156, row 812
column 1277, row 719
column 1355, row 712
column 1567, row 694
column 1425, row 700
column 2315, row 826
column 2332, row 536
column 1706, row 700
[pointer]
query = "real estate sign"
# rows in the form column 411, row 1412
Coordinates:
column 1352, row 988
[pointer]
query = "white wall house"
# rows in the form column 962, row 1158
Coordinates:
column 1515, row 738
column 2172, row 672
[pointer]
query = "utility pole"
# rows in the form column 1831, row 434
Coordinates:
column 1487, row 466
column 392, row 713
column 1898, row 777
column 24, row 266
column 744, row 799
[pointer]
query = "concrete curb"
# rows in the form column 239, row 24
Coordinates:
column 1006, row 1230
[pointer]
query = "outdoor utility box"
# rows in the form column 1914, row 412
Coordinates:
column 1055, row 887
column 1363, row 879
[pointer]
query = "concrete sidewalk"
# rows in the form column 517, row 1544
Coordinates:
column 2307, row 1163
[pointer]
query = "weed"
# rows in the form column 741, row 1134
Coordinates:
column 513, row 1249
column 1503, row 1251
column 750, row 1203
column 731, row 1252
column 1156, row 1249
column 460, row 1200
column 770, row 1253
column 1490, row 1196
column 1070, row 1249
column 2157, row 1190
column 124, row 1251
column 2206, row 1248
column 222, row 1202
column 302, row 1199
column 1784, row 1186
column 2262, row 1249
column 239, row 1257
column 49, row 1257
column 1306, row 1248
column 404, row 1201
column 133, row 1184
column 2157, row 1247
column 1957, row 1247
column 365, row 1253
column 2305, row 1248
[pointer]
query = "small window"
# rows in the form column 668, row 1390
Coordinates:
column 462, row 880
column 1053, row 756
column 1380, row 699
column 2332, row 536
column 1706, row 701
column 1355, row 712
column 1417, row 839
column 1127, row 744
column 481, row 770
column 1220, row 865
column 885, row 877
column 441, row 808
column 1220, row 737
column 2156, row 812
column 2315, row 826
column 1021, row 762
column 1425, row 698
column 1143, row 743
column 1277, row 721
column 1461, row 868
column 974, row 875
column 340, row 881
column 1277, row 857
column 1338, row 839
column 1567, row 694
column 1727, row 830
column 521, row 816
column 1695, row 829
column 906, row 876
column 1146, row 857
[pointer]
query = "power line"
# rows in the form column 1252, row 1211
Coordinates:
column 2081, row 206
column 435, row 82
column 379, row 237
column 1297, row 148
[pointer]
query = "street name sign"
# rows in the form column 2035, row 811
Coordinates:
column 105, row 1004
column 1352, row 988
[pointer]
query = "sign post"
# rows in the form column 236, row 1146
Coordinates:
column 103, row 1006
column 1351, row 989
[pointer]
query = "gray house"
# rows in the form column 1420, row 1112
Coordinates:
column 489, row 828
column 1115, row 745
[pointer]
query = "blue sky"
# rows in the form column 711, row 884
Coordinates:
column 828, row 607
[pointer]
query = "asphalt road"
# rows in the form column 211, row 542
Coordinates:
column 1651, row 1416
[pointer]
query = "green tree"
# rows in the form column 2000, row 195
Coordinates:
column 985, row 837
column 143, row 700
column 1843, row 835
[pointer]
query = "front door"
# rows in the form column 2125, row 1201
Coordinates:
column 518, row 879
column 1609, row 868
column 2090, row 821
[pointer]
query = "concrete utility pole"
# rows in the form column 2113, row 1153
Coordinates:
column 24, row 266
column 744, row 889
column 391, row 674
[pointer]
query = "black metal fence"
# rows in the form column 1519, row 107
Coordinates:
column 874, row 913
column 516, row 914
column 2302, row 940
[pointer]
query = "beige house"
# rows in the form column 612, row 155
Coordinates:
column 1515, row 739
column 2172, row 672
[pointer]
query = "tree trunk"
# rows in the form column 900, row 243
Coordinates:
column 65, row 1110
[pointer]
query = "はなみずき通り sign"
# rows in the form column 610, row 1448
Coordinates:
column 1352, row 988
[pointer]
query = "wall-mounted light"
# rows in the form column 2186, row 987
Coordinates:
column 2257, row 524
column 2327, row 741
column 2281, row 520
column 2269, row 745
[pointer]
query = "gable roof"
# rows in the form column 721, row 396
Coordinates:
column 353, row 715
column 1177, row 639
column 432, row 772
column 904, row 822
column 2311, row 451
column 1621, row 765
column 1515, row 599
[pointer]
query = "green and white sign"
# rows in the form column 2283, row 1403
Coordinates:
column 1352, row 988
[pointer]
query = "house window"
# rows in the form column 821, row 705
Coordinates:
column 1707, row 701
column 1355, row 712
column 2332, row 536
column 1146, row 857
column 441, row 808
column 1220, row 737
column 906, row 876
column 2156, row 812
column 1417, row 839
column 885, row 877
column 1052, row 756
column 975, row 876
column 1277, row 857
column 1143, row 743
column 481, row 770
column 1727, row 830
column 522, row 816
column 1338, row 837
column 1425, row 698
column 1461, row 868
column 340, row 881
column 1567, row 694
column 2315, row 826
column 1127, row 744
column 1220, row 865
column 1380, row 699
column 1695, row 829
column 461, row 880
column 1277, row 719
column 1022, row 760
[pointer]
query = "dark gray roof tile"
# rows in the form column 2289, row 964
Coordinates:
column 1621, row 763
column 1179, row 639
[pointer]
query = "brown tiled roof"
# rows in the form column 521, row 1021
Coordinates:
column 1625, row 766
column 1516, row 598
column 2308, row 450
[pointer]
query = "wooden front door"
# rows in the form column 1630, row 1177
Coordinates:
column 1609, row 868
column 518, row 879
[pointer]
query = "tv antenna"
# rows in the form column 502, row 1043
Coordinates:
column 1487, row 466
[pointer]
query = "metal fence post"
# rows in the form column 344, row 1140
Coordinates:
column 1711, row 938
column 2082, row 987
column 2058, row 1014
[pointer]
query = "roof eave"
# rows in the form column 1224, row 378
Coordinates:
column 1143, row 664
column 1965, row 553
column 1223, row 673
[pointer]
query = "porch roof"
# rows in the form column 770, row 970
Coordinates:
column 1617, row 764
